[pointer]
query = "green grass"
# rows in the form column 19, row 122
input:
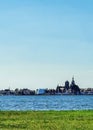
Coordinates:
column 46, row 120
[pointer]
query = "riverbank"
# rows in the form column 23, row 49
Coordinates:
column 46, row 120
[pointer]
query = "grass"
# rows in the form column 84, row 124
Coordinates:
column 46, row 120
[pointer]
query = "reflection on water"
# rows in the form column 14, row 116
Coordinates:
column 46, row 102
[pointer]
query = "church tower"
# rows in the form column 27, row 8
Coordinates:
column 73, row 81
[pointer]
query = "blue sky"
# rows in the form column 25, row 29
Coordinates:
column 45, row 42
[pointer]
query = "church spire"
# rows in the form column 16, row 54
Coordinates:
column 73, row 81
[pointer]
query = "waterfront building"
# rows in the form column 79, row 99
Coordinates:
column 67, row 85
column 40, row 91
column 74, row 88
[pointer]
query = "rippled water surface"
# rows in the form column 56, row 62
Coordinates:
column 46, row 102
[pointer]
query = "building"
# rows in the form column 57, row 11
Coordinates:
column 40, row 91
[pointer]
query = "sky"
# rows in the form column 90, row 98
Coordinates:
column 45, row 42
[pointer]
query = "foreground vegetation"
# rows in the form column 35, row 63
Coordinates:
column 46, row 120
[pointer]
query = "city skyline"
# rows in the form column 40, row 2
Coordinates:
column 45, row 43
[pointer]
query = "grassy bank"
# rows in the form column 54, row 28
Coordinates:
column 46, row 120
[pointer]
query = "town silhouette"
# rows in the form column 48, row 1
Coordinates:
column 68, row 89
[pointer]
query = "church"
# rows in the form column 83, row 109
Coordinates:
column 68, row 88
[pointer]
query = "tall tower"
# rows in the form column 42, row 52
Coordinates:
column 73, row 81
column 67, row 85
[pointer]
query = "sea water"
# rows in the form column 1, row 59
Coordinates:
column 55, row 102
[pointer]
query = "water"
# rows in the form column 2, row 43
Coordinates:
column 46, row 102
